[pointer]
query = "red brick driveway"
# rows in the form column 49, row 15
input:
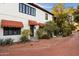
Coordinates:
column 66, row 46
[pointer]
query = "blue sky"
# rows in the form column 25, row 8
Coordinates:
column 49, row 6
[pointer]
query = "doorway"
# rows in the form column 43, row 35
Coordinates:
column 32, row 30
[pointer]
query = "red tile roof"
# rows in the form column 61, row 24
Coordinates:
column 8, row 23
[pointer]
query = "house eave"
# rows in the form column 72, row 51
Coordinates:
column 40, row 8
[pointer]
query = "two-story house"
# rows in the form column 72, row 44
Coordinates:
column 15, row 17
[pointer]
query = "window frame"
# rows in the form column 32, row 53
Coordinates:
column 11, row 31
column 27, row 9
column 23, row 8
column 20, row 7
column 46, row 16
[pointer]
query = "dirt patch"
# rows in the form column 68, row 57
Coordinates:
column 67, row 46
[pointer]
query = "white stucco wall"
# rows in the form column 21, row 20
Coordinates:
column 10, row 11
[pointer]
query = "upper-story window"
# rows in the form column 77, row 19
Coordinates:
column 46, row 16
column 23, row 8
column 24, row 11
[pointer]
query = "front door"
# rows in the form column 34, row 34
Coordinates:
column 32, row 30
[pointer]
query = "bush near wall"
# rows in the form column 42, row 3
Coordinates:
column 1, row 42
column 26, row 32
column 25, row 36
column 42, row 34
column 48, row 31
column 5, row 42
column 51, row 27
column 8, row 41
column 45, row 36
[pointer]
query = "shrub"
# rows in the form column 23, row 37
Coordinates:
column 66, row 30
column 45, row 36
column 24, row 39
column 76, row 17
column 48, row 30
column 57, row 31
column 72, row 27
column 8, row 41
column 52, row 28
column 41, row 32
column 25, row 35
column 1, row 42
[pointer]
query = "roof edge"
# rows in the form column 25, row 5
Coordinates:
column 37, row 6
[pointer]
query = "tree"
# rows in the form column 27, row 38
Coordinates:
column 78, row 6
column 61, row 16
column 70, row 16
column 76, row 14
column 58, row 8
column 70, row 10
column 76, row 18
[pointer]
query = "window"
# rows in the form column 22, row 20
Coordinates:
column 31, row 11
column 34, row 11
column 46, row 16
column 23, row 8
column 20, row 7
column 11, row 31
column 27, row 9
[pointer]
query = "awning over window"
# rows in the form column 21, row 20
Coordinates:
column 8, row 23
column 31, row 22
column 41, row 24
